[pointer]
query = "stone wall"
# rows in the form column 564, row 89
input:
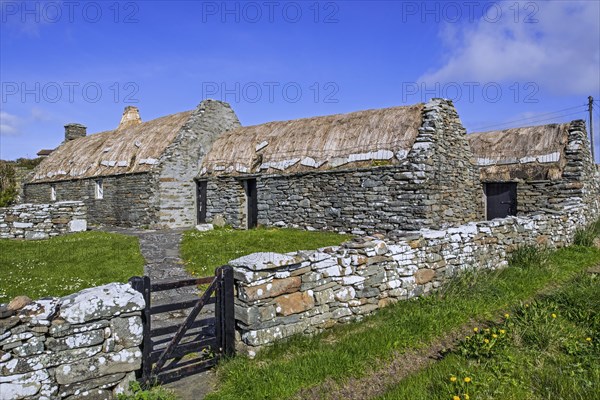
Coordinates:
column 41, row 221
column 179, row 164
column 85, row 345
column 129, row 200
column 307, row 291
column 226, row 202
column 423, row 190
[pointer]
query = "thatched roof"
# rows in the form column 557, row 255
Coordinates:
column 131, row 148
column 530, row 153
column 327, row 142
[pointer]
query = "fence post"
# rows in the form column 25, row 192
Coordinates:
column 228, row 311
column 142, row 285
column 225, row 318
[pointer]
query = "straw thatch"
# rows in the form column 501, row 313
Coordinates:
column 131, row 148
column 316, row 143
column 528, row 153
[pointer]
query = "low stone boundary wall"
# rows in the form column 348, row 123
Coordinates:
column 82, row 345
column 41, row 221
column 306, row 291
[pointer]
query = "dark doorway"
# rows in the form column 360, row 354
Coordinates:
column 251, row 202
column 201, row 189
column 501, row 199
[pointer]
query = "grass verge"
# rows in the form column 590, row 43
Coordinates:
column 355, row 349
column 205, row 251
column 66, row 264
column 546, row 349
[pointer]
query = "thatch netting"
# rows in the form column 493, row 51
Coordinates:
column 319, row 142
column 129, row 149
column 530, row 153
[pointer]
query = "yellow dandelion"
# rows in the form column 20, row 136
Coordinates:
column 486, row 341
column 506, row 315
column 502, row 331
column 452, row 379
column 553, row 315
column 456, row 398
column 467, row 379
column 494, row 336
column 475, row 329
column 588, row 339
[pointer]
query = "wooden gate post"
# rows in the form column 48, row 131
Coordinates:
column 142, row 285
column 225, row 311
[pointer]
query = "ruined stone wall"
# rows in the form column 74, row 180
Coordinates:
column 434, row 185
column 180, row 163
column 303, row 292
column 129, row 200
column 41, row 221
column 85, row 345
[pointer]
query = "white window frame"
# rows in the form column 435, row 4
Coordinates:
column 53, row 192
column 99, row 190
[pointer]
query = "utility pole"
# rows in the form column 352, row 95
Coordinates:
column 590, row 107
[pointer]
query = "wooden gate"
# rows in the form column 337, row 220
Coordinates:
column 173, row 351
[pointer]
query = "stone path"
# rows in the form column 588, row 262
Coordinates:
column 160, row 249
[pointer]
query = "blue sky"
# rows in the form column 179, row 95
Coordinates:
column 507, row 63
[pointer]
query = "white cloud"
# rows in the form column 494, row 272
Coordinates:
column 561, row 52
column 10, row 125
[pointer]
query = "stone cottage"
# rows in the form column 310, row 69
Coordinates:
column 400, row 168
column 546, row 168
column 139, row 174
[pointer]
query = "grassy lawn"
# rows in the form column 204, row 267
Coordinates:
column 356, row 349
column 205, row 251
column 66, row 264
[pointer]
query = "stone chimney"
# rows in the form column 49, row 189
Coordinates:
column 74, row 131
column 131, row 117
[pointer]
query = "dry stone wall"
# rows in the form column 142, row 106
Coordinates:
column 41, row 221
column 128, row 200
column 85, row 345
column 307, row 291
column 422, row 190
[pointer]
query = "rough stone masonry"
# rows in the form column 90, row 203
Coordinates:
column 41, row 221
column 279, row 295
column 83, row 345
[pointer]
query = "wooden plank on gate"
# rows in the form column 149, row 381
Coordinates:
column 175, row 284
column 185, row 326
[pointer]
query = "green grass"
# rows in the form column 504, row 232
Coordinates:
column 205, row 251
column 354, row 349
column 547, row 349
column 153, row 393
column 66, row 264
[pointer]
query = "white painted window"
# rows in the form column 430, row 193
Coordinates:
column 53, row 192
column 99, row 189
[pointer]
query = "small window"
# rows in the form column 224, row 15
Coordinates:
column 53, row 192
column 99, row 189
